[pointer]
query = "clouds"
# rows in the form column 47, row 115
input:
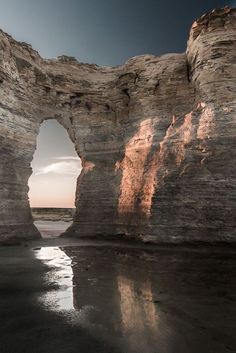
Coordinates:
column 56, row 167
column 67, row 158
column 67, row 166
column 53, row 184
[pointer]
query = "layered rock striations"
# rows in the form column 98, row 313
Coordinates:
column 156, row 137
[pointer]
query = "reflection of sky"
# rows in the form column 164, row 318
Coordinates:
column 61, row 274
column 56, row 167
column 107, row 306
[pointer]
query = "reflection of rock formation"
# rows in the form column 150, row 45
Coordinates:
column 138, row 313
column 137, row 301
column 156, row 137
column 112, row 303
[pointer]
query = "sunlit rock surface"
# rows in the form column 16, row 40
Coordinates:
column 156, row 137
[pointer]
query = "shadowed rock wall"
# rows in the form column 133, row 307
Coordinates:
column 156, row 137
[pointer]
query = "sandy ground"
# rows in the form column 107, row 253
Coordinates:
column 52, row 229
column 91, row 297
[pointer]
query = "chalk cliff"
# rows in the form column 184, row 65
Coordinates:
column 157, row 137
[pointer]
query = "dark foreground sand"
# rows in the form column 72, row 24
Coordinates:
column 87, row 297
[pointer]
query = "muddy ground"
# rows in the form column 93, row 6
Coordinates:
column 66, row 296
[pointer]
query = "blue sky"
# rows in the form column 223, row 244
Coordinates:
column 105, row 32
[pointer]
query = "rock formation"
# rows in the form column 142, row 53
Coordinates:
column 156, row 137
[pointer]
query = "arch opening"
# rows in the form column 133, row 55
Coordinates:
column 52, row 185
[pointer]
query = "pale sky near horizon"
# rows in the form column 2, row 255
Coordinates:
column 56, row 167
column 105, row 32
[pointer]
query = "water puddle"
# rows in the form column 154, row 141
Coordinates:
column 61, row 275
column 104, row 296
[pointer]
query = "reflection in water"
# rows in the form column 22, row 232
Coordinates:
column 113, row 304
column 61, row 274
column 138, row 302
column 138, row 312
column 137, row 307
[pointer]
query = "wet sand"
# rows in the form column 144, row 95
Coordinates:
column 51, row 229
column 66, row 297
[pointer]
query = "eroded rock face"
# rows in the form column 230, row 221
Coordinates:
column 156, row 137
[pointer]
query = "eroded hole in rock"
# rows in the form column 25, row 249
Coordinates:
column 52, row 184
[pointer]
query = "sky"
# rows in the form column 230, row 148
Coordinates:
column 105, row 32
column 56, row 167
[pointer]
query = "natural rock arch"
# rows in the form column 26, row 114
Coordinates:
column 156, row 137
